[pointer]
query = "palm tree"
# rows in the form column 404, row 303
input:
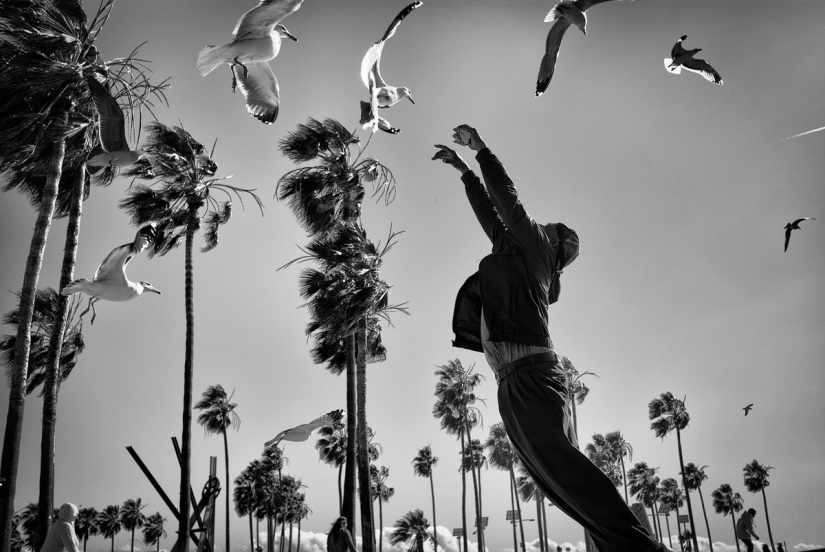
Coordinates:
column 725, row 502
column 411, row 527
column 382, row 493
column 303, row 512
column 219, row 415
column 644, row 485
column 528, row 490
column 349, row 300
column 454, row 406
column 183, row 172
column 109, row 521
column 577, row 391
column 244, row 495
column 599, row 453
column 332, row 449
column 671, row 497
column 132, row 518
column 26, row 520
column 153, row 530
column 669, row 413
column 504, row 457
column 16, row 543
column 423, row 465
column 86, row 525
column 618, row 449
column 756, row 479
column 473, row 459
column 693, row 478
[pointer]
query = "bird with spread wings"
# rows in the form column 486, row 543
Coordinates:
column 302, row 432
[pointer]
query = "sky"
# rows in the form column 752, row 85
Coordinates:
column 679, row 191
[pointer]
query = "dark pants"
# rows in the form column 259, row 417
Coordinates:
column 533, row 405
column 748, row 543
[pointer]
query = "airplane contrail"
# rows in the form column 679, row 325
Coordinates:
column 802, row 134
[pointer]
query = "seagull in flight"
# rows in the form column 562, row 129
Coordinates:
column 684, row 58
column 370, row 66
column 110, row 281
column 790, row 227
column 115, row 149
column 748, row 408
column 255, row 40
column 562, row 15
column 302, row 432
column 369, row 113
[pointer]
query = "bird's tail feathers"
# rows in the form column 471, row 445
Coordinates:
column 541, row 86
column 670, row 68
column 74, row 287
column 210, row 57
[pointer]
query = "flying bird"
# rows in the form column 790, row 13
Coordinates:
column 302, row 432
column 748, row 408
column 562, row 15
column 369, row 113
column 256, row 40
column 684, row 58
column 791, row 226
column 110, row 282
column 112, row 126
column 386, row 95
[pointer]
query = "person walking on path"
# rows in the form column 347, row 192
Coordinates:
column 61, row 536
column 339, row 538
column 502, row 311
column 745, row 528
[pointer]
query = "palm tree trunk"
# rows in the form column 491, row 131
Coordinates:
column 653, row 521
column 51, row 385
column 19, row 370
column 513, row 506
column 767, row 519
column 380, row 525
column 705, row 514
column 544, row 522
column 624, row 480
column 518, row 509
column 687, row 494
column 476, row 491
column 735, row 536
column 340, row 490
column 188, row 377
column 658, row 521
column 298, row 547
column 364, row 491
column 226, row 491
column 435, row 527
column 251, row 533
column 283, row 535
column 289, row 548
column 463, row 496
column 678, row 529
column 538, row 523
column 348, row 510
column 113, row 543
column 133, row 540
column 669, row 534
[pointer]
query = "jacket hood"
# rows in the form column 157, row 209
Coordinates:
column 68, row 512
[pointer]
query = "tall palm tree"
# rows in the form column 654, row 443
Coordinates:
column 244, row 495
column 423, row 465
column 756, row 479
column 693, row 478
column 110, row 522
column 153, row 530
column 669, row 413
column 217, row 417
column 178, row 198
column 473, row 459
column 455, row 398
column 726, row 501
column 332, row 449
column 600, row 454
column 644, row 485
column 303, row 512
column 672, row 498
column 86, row 525
column 619, row 449
column 528, row 490
column 504, row 457
column 382, row 493
column 132, row 518
column 411, row 527
column 577, row 390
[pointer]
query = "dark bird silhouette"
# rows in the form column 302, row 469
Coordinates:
column 790, row 227
column 684, row 58
column 748, row 408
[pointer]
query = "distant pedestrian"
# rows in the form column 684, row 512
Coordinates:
column 339, row 538
column 745, row 528
column 766, row 548
column 61, row 536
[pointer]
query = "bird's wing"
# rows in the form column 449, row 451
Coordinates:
column 260, row 87
column 112, row 123
column 675, row 69
column 797, row 221
column 677, row 49
column 114, row 265
column 372, row 59
column 551, row 53
column 788, row 231
column 397, row 21
column 701, row 66
column 259, row 21
column 584, row 5
column 302, row 432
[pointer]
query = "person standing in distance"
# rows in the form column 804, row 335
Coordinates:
column 339, row 538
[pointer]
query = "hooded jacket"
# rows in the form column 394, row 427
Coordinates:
column 745, row 525
column 516, row 283
column 61, row 534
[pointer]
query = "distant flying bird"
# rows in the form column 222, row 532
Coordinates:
column 386, row 95
column 110, row 282
column 684, row 58
column 256, row 40
column 791, row 226
column 116, row 152
column 748, row 408
column 562, row 15
column 302, row 432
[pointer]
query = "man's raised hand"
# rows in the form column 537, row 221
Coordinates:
column 450, row 157
column 466, row 135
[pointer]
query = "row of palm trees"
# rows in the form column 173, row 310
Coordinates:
column 90, row 522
